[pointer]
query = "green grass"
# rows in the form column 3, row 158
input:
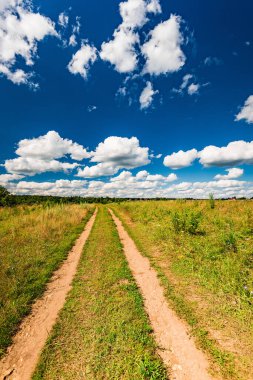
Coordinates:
column 102, row 331
column 204, row 258
column 34, row 240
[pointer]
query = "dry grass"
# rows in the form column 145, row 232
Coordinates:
column 33, row 242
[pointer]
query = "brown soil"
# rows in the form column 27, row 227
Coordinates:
column 177, row 349
column 22, row 356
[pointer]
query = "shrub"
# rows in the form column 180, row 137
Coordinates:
column 211, row 201
column 186, row 221
column 230, row 241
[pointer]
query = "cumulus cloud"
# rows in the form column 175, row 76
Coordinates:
column 39, row 155
column 116, row 153
column 163, row 51
column 147, row 95
column 121, row 50
column 180, row 159
column 51, row 146
column 141, row 185
column 5, row 178
column 58, row 188
column 99, row 170
column 20, row 31
column 82, row 60
column 154, row 6
column 246, row 112
column 232, row 174
column 31, row 166
column 235, row 153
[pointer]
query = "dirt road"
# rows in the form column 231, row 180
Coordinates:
column 176, row 348
column 22, row 356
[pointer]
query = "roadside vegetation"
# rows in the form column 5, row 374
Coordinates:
column 102, row 331
column 34, row 240
column 203, row 252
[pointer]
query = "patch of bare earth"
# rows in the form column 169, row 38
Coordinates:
column 22, row 356
column 177, row 349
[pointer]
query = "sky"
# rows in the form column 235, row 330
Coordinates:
column 134, row 98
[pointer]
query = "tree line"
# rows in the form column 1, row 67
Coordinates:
column 7, row 199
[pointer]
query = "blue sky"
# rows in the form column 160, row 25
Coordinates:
column 156, row 97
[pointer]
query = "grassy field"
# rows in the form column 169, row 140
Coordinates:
column 204, row 256
column 34, row 240
column 103, row 331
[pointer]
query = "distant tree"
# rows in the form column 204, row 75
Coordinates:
column 4, row 195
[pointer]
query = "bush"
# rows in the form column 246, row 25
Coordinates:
column 211, row 201
column 186, row 221
column 230, row 241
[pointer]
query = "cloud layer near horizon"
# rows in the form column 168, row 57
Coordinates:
column 119, row 155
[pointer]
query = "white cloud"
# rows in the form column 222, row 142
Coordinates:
column 246, row 112
column 57, row 188
column 147, row 95
column 72, row 40
column 82, row 59
column 193, row 88
column 17, row 76
column 20, row 31
column 63, row 19
column 186, row 80
column 154, row 6
column 123, row 151
column 121, row 50
column 235, row 153
column 232, row 174
column 142, row 185
column 50, row 146
column 116, row 153
column 163, row 49
column 31, row 166
column 4, row 178
column 75, row 32
column 99, row 170
column 91, row 108
column 133, row 13
column 39, row 155
column 180, row 159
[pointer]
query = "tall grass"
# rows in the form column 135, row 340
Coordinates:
column 33, row 242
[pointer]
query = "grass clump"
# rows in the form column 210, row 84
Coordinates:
column 34, row 240
column 186, row 221
column 211, row 201
column 103, row 331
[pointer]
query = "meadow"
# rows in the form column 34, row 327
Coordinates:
column 203, row 253
column 34, row 240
